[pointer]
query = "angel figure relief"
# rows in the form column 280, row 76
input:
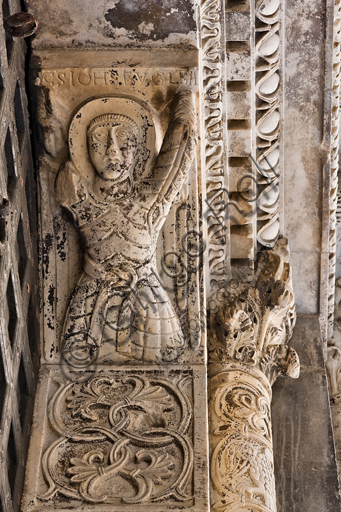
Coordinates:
column 119, row 189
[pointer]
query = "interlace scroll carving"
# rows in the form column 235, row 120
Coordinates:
column 213, row 92
column 254, row 325
column 333, row 327
column 242, row 461
column 267, row 67
column 122, row 440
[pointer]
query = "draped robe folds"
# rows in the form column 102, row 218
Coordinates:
column 119, row 299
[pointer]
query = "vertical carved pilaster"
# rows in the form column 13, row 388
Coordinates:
column 333, row 367
column 333, row 363
column 240, row 113
column 334, row 163
column 268, row 105
column 250, row 330
column 214, row 152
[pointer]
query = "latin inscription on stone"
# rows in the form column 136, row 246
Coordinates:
column 118, row 76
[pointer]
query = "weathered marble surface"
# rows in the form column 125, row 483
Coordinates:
column 129, row 23
column 145, row 54
column 121, row 438
column 248, row 351
column 135, row 199
column 308, row 82
column 333, row 366
column 153, row 85
column 305, row 465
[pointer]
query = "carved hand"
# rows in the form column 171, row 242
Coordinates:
column 183, row 111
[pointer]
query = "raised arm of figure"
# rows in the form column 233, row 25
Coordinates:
column 176, row 154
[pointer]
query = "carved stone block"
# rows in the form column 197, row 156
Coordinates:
column 140, row 221
column 238, row 26
column 239, row 144
column 241, row 442
column 239, row 105
column 119, row 439
column 124, row 419
column 248, row 349
column 238, row 65
column 240, row 169
column 241, row 242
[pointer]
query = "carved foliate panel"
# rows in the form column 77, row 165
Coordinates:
column 120, row 438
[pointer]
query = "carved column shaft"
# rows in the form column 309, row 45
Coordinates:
column 241, row 441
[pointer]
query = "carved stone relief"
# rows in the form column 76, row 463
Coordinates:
column 250, row 330
column 333, row 364
column 333, row 324
column 119, row 192
column 243, row 152
column 240, row 37
column 215, row 161
column 119, row 438
column 334, row 165
column 242, row 460
column 122, row 400
column 175, row 266
column 268, row 116
column 122, row 276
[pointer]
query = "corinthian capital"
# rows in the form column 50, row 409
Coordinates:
column 253, row 323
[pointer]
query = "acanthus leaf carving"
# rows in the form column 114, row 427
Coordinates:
column 255, row 322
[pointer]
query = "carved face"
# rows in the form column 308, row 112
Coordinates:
column 112, row 149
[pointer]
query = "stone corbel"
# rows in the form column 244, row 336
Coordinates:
column 250, row 330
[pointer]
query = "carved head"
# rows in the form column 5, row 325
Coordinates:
column 112, row 143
